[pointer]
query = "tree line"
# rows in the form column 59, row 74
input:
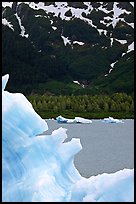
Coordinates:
column 82, row 104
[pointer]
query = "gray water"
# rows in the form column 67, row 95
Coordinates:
column 106, row 147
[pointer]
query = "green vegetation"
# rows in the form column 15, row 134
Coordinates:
column 42, row 63
column 118, row 105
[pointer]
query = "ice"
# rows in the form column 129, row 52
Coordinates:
column 115, row 187
column 41, row 168
column 61, row 119
column 112, row 120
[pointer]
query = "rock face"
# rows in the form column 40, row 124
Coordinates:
column 91, row 41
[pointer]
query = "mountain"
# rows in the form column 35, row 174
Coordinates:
column 68, row 47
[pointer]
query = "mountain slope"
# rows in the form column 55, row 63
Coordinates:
column 88, row 42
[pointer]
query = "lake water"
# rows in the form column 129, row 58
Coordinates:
column 106, row 147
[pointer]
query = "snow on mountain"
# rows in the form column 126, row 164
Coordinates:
column 21, row 27
column 60, row 8
column 112, row 64
column 132, row 3
column 76, row 82
column 87, row 27
column 5, row 4
column 66, row 40
column 6, row 23
column 54, row 28
column 79, row 43
column 122, row 41
column 131, row 47
column 117, row 13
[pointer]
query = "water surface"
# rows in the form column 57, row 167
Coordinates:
column 106, row 147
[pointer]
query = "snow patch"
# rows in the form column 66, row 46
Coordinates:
column 76, row 82
column 54, row 28
column 5, row 4
column 122, row 41
column 66, row 40
column 21, row 27
column 7, row 23
column 132, row 3
column 112, row 64
column 79, row 43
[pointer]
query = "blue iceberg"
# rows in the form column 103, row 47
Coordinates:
column 41, row 168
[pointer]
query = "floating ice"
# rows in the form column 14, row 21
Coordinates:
column 61, row 119
column 112, row 120
column 41, row 168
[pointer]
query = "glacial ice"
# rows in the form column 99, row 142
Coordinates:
column 61, row 119
column 112, row 120
column 41, row 168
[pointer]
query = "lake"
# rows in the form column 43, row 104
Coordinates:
column 106, row 147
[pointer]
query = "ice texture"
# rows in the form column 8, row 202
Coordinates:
column 41, row 168
column 61, row 119
column 112, row 120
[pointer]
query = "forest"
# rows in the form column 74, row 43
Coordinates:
column 118, row 105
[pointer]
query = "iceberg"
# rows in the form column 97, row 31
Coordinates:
column 112, row 120
column 61, row 119
column 41, row 168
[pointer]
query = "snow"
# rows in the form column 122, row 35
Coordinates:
column 41, row 168
column 131, row 24
column 76, row 82
column 132, row 3
column 54, row 28
column 5, row 4
column 131, row 47
column 66, row 40
column 103, row 9
column 21, row 27
column 101, row 30
column 117, row 13
column 110, row 71
column 6, row 23
column 122, row 41
column 79, row 43
column 111, row 41
column 61, row 119
column 37, row 16
column 60, row 8
column 112, row 64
